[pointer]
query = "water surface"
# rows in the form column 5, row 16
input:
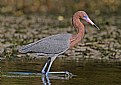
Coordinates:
column 88, row 72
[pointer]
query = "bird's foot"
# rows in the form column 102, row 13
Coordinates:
column 66, row 73
column 63, row 72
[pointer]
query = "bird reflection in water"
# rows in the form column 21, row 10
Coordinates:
column 59, row 75
column 45, row 79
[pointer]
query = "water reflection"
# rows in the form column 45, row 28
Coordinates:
column 89, row 72
column 57, row 75
column 46, row 80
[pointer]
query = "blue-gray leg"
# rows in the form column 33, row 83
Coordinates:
column 44, row 70
column 48, row 64
column 51, row 62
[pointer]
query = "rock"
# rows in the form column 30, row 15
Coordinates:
column 1, row 50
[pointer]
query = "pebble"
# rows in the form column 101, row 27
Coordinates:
column 27, row 28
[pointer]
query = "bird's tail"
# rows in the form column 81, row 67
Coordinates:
column 22, row 50
column 25, row 48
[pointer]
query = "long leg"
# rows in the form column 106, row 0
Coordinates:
column 45, row 66
column 48, row 65
column 51, row 62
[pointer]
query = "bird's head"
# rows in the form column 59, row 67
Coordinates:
column 85, row 17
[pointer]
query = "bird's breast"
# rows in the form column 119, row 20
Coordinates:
column 74, row 40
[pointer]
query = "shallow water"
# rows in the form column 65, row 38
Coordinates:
column 88, row 72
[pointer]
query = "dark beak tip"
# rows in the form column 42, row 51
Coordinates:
column 96, row 27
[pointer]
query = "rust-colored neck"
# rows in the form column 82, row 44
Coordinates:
column 80, row 30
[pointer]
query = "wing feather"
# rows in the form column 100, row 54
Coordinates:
column 51, row 45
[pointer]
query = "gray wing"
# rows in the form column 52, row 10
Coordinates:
column 54, row 44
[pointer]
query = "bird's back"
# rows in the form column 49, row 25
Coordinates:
column 55, row 44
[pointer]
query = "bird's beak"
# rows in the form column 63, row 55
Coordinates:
column 96, row 26
column 92, row 23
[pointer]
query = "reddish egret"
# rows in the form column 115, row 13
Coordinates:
column 55, row 45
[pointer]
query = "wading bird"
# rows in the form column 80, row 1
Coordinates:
column 55, row 45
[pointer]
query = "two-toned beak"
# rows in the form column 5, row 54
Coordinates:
column 90, row 21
